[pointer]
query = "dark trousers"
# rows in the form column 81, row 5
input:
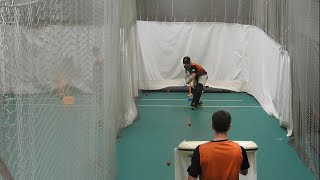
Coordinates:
column 196, row 91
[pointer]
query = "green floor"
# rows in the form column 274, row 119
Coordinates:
column 144, row 147
column 45, row 138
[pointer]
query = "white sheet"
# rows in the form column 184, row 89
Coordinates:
column 237, row 57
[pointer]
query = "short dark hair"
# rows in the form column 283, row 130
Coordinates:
column 186, row 60
column 221, row 121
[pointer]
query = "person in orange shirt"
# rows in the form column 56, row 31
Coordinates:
column 198, row 76
column 220, row 159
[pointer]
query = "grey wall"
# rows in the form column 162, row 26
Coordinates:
column 194, row 10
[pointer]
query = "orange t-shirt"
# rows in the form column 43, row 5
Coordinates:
column 196, row 68
column 218, row 160
column 199, row 68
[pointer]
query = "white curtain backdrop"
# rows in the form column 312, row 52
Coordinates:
column 237, row 57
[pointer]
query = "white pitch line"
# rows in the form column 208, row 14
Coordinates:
column 199, row 106
column 80, row 105
column 186, row 100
